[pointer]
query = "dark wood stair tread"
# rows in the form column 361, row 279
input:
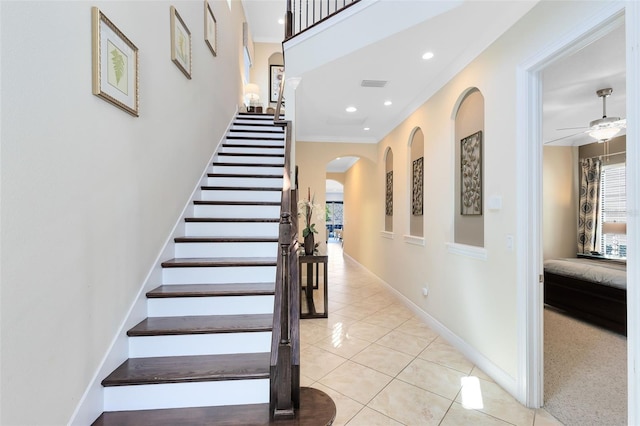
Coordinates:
column 274, row 129
column 226, row 240
column 250, row 154
column 235, row 203
column 240, row 175
column 202, row 324
column 239, row 188
column 226, row 163
column 231, row 220
column 194, row 368
column 199, row 262
column 207, row 290
column 251, row 146
column 253, row 138
column 316, row 409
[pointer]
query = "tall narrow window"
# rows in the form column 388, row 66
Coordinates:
column 613, row 210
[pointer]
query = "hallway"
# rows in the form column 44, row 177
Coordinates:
column 383, row 366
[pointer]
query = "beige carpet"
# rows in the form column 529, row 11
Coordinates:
column 585, row 372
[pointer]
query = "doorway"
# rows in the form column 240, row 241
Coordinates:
column 530, row 290
column 581, row 332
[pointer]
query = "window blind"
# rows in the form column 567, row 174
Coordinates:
column 613, row 205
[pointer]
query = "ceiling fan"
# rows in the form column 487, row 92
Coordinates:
column 601, row 129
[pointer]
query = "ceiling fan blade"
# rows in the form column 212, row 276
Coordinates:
column 573, row 128
column 564, row 137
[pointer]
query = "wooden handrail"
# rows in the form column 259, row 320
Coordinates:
column 305, row 14
column 285, row 341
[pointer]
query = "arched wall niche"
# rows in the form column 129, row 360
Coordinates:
column 388, row 188
column 469, row 142
column 416, row 182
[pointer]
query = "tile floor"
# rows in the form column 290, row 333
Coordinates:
column 383, row 366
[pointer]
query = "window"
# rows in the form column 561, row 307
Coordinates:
column 613, row 208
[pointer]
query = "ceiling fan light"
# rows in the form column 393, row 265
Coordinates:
column 603, row 134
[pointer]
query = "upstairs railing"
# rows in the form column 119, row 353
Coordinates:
column 304, row 14
column 285, row 341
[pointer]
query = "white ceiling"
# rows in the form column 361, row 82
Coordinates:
column 262, row 17
column 569, row 89
column 324, row 92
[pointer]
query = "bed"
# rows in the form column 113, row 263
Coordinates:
column 591, row 289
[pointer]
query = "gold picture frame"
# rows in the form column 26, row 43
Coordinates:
column 180, row 43
column 115, row 64
column 210, row 29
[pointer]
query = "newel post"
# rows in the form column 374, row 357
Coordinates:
column 284, row 404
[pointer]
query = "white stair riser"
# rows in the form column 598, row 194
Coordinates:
column 231, row 229
column 279, row 161
column 221, row 305
column 230, row 195
column 252, row 150
column 234, row 211
column 231, row 249
column 253, row 127
column 199, row 344
column 219, row 275
column 245, row 182
column 247, row 170
column 254, row 119
column 267, row 145
column 195, row 394
column 257, row 134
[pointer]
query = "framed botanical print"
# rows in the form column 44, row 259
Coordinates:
column 180, row 43
column 210, row 29
column 115, row 64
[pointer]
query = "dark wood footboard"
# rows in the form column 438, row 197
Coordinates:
column 596, row 303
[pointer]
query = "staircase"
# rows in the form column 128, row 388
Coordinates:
column 203, row 354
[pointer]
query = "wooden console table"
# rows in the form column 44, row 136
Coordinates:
column 312, row 282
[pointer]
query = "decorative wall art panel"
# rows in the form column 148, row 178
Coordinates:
column 388, row 206
column 471, row 174
column 275, row 80
column 418, row 179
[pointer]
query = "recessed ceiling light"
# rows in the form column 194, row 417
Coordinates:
column 367, row 128
column 427, row 55
column 281, row 21
column 387, row 103
column 351, row 109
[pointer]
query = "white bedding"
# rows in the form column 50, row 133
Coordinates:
column 613, row 274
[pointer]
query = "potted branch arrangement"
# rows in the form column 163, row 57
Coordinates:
column 306, row 208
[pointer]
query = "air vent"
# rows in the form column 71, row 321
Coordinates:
column 374, row 83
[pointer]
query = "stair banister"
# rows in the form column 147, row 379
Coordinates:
column 285, row 343
column 304, row 14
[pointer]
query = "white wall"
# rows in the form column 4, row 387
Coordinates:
column 473, row 298
column 90, row 193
